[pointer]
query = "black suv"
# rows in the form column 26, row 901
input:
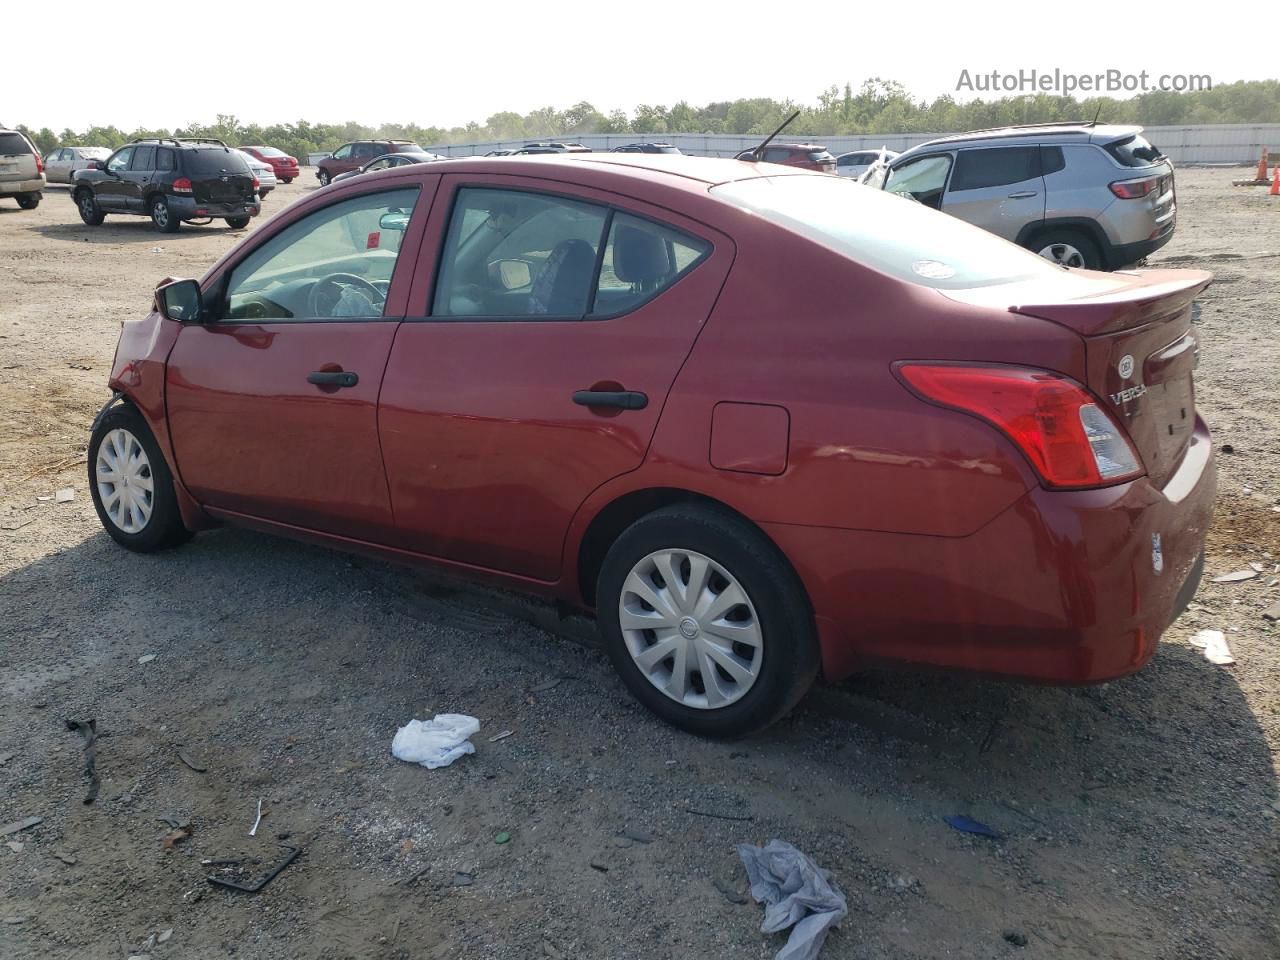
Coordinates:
column 646, row 148
column 169, row 180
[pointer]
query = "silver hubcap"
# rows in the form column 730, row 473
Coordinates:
column 86, row 205
column 1063, row 253
column 125, row 485
column 161, row 213
column 691, row 629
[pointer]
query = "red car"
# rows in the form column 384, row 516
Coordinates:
column 354, row 155
column 764, row 423
column 284, row 166
column 807, row 156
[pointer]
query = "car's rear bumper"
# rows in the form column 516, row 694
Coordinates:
column 11, row 188
column 188, row 208
column 1123, row 254
column 1063, row 587
column 282, row 172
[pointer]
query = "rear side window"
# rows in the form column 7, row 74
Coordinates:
column 994, row 167
column 641, row 259
column 213, row 162
column 165, row 159
column 777, row 155
column 516, row 254
column 1051, row 160
column 14, row 144
column 1135, row 151
column 886, row 233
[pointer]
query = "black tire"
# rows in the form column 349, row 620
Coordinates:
column 87, row 204
column 789, row 648
column 286, row 179
column 29, row 201
column 325, row 179
column 164, row 527
column 165, row 220
column 1088, row 254
column 237, row 223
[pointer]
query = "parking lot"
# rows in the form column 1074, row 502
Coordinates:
column 1138, row 819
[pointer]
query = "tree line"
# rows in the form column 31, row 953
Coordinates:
column 877, row 106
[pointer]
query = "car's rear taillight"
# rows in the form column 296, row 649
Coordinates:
column 182, row 185
column 1056, row 423
column 39, row 164
column 1133, row 189
column 256, row 183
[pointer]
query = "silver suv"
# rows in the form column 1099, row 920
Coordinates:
column 21, row 170
column 1080, row 194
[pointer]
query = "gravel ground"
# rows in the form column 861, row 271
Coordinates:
column 1139, row 818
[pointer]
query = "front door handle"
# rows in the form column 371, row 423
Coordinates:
column 622, row 399
column 1023, row 195
column 333, row 378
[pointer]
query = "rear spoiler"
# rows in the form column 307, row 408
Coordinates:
column 1153, row 295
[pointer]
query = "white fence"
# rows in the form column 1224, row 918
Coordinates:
column 1228, row 143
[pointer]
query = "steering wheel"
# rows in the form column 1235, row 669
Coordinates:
column 326, row 291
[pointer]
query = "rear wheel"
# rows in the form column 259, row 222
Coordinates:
column 287, row 179
column 706, row 622
column 237, row 223
column 1068, row 248
column 90, row 212
column 325, row 179
column 29, row 201
column 130, row 483
column 164, row 218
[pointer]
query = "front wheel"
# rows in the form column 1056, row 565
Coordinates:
column 706, row 622
column 29, row 201
column 286, row 179
column 237, row 223
column 90, row 212
column 164, row 219
column 130, row 483
column 325, row 179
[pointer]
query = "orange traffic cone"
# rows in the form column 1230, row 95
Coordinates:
column 1275, row 182
column 1262, row 166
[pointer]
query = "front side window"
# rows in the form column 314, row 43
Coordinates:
column 921, row 179
column 641, row 259
column 144, row 158
column 336, row 262
column 515, row 254
column 995, row 167
column 119, row 163
column 343, row 152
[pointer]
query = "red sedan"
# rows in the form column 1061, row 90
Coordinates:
column 763, row 425
column 284, row 166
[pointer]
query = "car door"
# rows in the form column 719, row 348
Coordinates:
column 136, row 181
column 341, row 160
column 520, row 383
column 112, row 189
column 997, row 188
column 57, row 169
column 272, row 398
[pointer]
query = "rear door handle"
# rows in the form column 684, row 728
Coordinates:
column 1023, row 195
column 333, row 378
column 622, row 399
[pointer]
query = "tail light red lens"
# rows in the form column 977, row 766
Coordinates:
column 1055, row 423
column 1133, row 189
column 256, row 183
column 182, row 185
column 39, row 164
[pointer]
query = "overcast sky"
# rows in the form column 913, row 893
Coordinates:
column 446, row 63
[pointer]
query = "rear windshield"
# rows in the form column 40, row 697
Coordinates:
column 849, row 159
column 271, row 152
column 1135, row 152
column 820, row 156
column 213, row 161
column 406, row 148
column 13, row 144
column 668, row 149
column 889, row 233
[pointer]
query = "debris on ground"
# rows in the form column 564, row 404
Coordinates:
column 1016, row 938
column 503, row 837
column 436, row 742
column 1214, row 645
column 461, row 879
column 636, row 834
column 89, row 730
column 236, row 884
column 195, row 765
column 253, row 831
column 24, row 824
column 65, row 495
column 501, row 736
column 1271, row 613
column 1236, row 576
column 797, row 893
column 17, row 846
column 969, row 825
column 730, row 892
column 146, row 658
column 66, row 858
column 175, row 837
column 716, row 815
column 598, row 865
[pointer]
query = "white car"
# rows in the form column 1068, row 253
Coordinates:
column 265, row 173
column 61, row 164
column 857, row 163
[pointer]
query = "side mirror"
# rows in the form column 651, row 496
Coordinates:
column 511, row 274
column 395, row 220
column 99, row 164
column 180, row 300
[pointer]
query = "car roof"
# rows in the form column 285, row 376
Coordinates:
column 1037, row 133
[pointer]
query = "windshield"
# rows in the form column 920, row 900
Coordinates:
column 888, row 233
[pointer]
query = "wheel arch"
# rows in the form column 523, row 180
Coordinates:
column 1091, row 229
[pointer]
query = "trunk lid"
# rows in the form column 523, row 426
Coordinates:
column 1140, row 353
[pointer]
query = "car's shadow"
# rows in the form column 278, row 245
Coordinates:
column 124, row 228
